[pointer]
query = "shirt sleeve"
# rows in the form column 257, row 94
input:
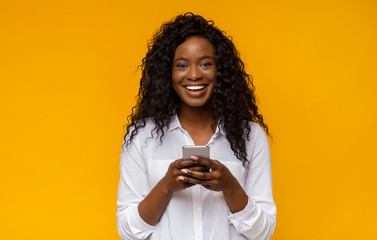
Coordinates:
column 257, row 220
column 133, row 187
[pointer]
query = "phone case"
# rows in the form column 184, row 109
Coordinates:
column 192, row 150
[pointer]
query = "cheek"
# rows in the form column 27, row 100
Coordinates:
column 212, row 75
column 175, row 81
column 176, row 76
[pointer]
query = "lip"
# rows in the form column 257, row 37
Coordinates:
column 195, row 84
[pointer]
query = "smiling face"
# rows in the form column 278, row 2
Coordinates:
column 194, row 71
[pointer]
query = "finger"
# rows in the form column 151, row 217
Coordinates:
column 180, row 163
column 190, row 180
column 210, row 164
column 197, row 174
column 199, row 169
column 186, row 184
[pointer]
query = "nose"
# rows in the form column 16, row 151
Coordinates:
column 194, row 73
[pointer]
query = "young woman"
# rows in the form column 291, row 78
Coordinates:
column 194, row 91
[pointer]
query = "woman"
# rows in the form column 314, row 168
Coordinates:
column 194, row 91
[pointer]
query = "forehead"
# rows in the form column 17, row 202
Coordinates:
column 195, row 46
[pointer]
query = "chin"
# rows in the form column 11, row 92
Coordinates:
column 192, row 104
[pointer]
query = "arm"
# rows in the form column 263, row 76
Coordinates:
column 253, row 211
column 133, row 188
column 257, row 221
column 154, row 205
column 139, row 206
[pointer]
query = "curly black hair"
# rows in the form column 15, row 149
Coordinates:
column 233, row 101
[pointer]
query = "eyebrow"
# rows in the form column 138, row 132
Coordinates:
column 200, row 59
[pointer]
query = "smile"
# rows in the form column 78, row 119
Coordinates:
column 195, row 88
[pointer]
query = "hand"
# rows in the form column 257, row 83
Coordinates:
column 173, row 177
column 155, row 203
column 217, row 178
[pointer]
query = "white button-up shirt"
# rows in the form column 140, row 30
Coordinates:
column 195, row 213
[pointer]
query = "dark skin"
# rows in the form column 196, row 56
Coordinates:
column 195, row 65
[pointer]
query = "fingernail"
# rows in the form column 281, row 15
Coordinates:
column 184, row 170
column 181, row 178
column 194, row 158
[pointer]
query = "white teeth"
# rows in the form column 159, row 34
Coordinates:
column 198, row 87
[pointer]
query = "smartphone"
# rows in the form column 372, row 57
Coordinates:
column 192, row 150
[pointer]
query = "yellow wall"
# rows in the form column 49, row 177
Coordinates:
column 68, row 81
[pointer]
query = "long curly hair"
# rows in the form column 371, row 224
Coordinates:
column 233, row 101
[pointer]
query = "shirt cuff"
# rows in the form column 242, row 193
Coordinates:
column 138, row 226
column 240, row 219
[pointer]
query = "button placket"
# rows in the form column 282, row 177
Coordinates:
column 197, row 209
column 196, row 199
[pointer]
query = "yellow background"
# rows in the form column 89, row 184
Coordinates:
column 68, row 81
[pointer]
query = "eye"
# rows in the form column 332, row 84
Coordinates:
column 206, row 64
column 181, row 65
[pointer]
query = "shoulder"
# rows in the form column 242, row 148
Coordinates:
column 142, row 129
column 256, row 131
column 137, row 135
column 257, row 139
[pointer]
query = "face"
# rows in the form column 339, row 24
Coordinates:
column 194, row 71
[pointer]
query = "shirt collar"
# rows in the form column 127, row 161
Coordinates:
column 174, row 123
column 220, row 130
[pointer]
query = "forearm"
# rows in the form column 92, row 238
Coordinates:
column 235, row 197
column 155, row 203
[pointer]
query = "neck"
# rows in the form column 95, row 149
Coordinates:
column 198, row 117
